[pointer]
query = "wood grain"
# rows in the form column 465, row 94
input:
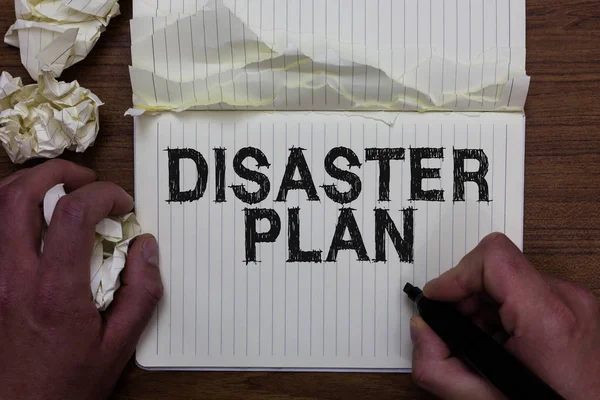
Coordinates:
column 562, row 184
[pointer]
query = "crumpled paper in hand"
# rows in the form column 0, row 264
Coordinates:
column 42, row 120
column 58, row 33
column 113, row 236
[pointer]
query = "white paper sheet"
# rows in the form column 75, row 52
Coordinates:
column 220, row 312
column 289, row 58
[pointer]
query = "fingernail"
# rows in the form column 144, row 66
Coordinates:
column 413, row 330
column 150, row 251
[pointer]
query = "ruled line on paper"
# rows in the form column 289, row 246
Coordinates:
column 170, row 259
column 157, row 222
column 197, row 259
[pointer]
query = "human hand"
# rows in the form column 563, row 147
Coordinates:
column 553, row 326
column 54, row 344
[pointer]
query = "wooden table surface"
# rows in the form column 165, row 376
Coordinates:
column 562, row 184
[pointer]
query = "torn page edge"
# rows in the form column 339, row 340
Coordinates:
column 385, row 117
column 154, row 93
column 224, row 82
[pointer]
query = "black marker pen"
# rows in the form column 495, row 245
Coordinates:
column 479, row 350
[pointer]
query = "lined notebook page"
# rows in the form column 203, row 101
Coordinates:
column 221, row 312
column 329, row 55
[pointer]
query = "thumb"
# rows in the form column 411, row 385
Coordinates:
column 141, row 289
column 435, row 370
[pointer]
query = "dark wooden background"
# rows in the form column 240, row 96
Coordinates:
column 562, row 184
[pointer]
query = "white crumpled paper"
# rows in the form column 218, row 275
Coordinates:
column 295, row 55
column 58, row 33
column 44, row 119
column 113, row 236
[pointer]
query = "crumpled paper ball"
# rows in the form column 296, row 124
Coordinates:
column 56, row 34
column 44, row 119
column 111, row 245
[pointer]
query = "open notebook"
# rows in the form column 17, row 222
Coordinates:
column 285, row 163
